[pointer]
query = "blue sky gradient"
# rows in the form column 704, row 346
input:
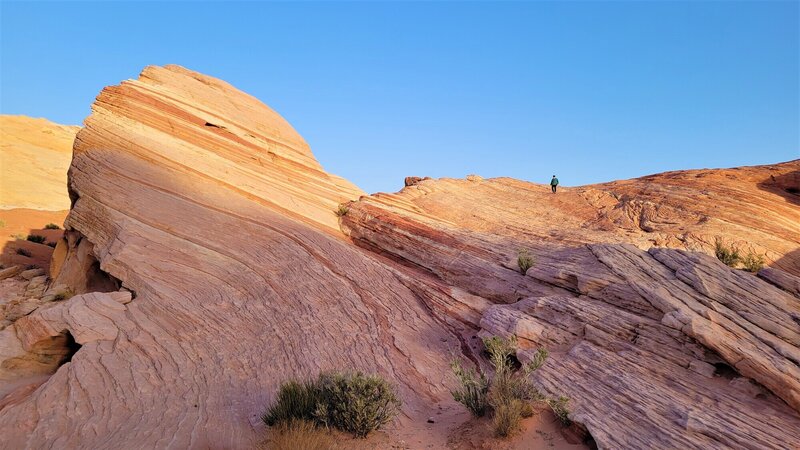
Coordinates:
column 591, row 91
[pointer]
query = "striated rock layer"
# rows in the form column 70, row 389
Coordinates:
column 34, row 157
column 209, row 266
column 656, row 349
column 226, row 234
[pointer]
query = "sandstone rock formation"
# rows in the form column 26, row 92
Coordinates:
column 210, row 265
column 34, row 157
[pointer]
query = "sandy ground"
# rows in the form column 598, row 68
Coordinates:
column 454, row 428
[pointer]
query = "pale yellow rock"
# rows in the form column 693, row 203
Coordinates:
column 34, row 157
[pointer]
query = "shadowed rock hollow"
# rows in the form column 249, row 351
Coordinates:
column 212, row 211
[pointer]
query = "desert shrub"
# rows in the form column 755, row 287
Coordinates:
column 23, row 252
column 36, row 238
column 728, row 255
column 342, row 210
column 752, row 262
column 300, row 434
column 296, row 401
column 355, row 402
column 52, row 226
column 63, row 295
column 509, row 393
column 352, row 402
column 524, row 261
column 512, row 390
column 473, row 389
column 507, row 417
column 559, row 408
column 51, row 244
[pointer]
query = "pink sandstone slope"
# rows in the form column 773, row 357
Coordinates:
column 209, row 266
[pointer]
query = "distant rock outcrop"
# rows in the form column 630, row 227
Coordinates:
column 209, row 265
column 34, row 157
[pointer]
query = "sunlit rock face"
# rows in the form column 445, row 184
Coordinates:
column 210, row 264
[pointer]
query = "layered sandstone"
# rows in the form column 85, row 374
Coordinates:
column 209, row 265
column 212, row 210
column 656, row 347
column 34, row 157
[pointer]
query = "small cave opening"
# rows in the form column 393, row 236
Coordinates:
column 577, row 433
column 213, row 125
column 44, row 357
column 723, row 370
column 793, row 190
column 70, row 348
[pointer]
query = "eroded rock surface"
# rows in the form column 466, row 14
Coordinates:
column 227, row 235
column 34, row 157
column 212, row 227
column 663, row 348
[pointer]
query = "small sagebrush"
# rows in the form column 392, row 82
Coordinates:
column 296, row 400
column 752, row 262
column 23, row 252
column 473, row 389
column 524, row 261
column 559, row 408
column 349, row 401
column 52, row 244
column 728, row 255
column 342, row 210
column 52, row 226
column 509, row 393
column 355, row 402
column 36, row 238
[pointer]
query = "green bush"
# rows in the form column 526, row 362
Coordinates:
column 473, row 389
column 509, row 393
column 728, row 255
column 352, row 402
column 296, row 400
column 559, row 408
column 342, row 210
column 36, row 238
column 52, row 226
column 752, row 262
column 23, row 252
column 524, row 261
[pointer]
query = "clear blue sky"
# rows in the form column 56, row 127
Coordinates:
column 591, row 91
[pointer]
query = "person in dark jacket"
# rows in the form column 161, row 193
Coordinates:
column 554, row 183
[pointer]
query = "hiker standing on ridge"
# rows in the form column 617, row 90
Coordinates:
column 554, row 183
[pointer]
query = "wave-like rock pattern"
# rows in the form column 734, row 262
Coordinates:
column 219, row 224
column 657, row 349
column 225, row 234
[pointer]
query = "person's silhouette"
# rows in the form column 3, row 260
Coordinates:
column 554, row 183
